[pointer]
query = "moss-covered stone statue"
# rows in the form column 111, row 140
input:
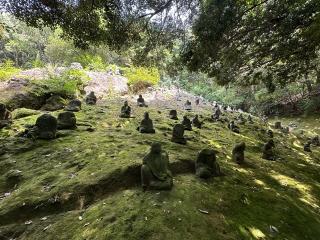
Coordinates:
column 307, row 146
column 233, row 127
column 277, row 125
column 187, row 123
column 141, row 102
column 146, row 125
column 74, row 105
column 67, row 120
column 91, row 99
column 125, row 110
column 196, row 122
column 173, row 115
column 241, row 120
column 315, row 141
column 238, row 153
column 188, row 106
column 270, row 133
column 46, row 127
column 250, row 120
column 206, row 164
column 155, row 173
column 178, row 134
column 5, row 116
column 216, row 114
column 268, row 152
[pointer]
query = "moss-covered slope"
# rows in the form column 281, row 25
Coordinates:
column 85, row 185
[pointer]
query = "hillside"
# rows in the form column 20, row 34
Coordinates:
column 86, row 184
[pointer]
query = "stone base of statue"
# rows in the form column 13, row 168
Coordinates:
column 150, row 182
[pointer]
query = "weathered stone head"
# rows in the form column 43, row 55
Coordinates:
column 206, row 165
column 238, row 153
column 67, row 120
column 156, row 148
column 173, row 114
column 46, row 126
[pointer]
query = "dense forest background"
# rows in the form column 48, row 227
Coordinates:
column 261, row 56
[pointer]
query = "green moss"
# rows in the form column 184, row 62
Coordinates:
column 95, row 175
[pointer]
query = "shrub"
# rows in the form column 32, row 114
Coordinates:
column 137, row 75
column 68, row 85
column 7, row 70
column 91, row 62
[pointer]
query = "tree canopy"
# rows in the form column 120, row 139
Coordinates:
column 244, row 41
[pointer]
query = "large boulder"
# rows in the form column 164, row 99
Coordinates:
column 74, row 105
column 46, row 126
column 54, row 103
column 67, row 120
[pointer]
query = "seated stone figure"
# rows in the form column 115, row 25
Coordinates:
column 197, row 102
column 267, row 151
column 206, row 165
column 46, row 127
column 178, row 134
column 91, row 99
column 241, row 119
column 155, row 173
column 238, row 153
column 74, row 106
column 277, row 125
column 173, row 114
column 125, row 110
column 250, row 119
column 196, row 122
column 5, row 116
column 316, row 141
column 285, row 130
column 67, row 120
column 141, row 102
column 146, row 125
column 233, row 127
column 270, row 133
column 216, row 114
column 186, row 123
column 307, row 146
column 188, row 106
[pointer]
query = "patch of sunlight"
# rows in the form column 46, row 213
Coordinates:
column 251, row 140
column 229, row 157
column 305, row 190
column 87, row 233
column 259, row 182
column 306, row 157
column 297, row 144
column 242, row 170
column 256, row 233
column 215, row 144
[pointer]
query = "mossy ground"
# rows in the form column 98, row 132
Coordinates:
column 85, row 185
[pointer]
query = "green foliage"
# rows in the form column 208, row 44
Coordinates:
column 69, row 84
column 91, row 62
column 7, row 70
column 142, row 76
column 310, row 105
column 38, row 63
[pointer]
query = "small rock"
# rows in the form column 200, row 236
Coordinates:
column 28, row 222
